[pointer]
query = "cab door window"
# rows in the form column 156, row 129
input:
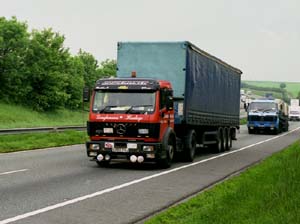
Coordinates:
column 164, row 94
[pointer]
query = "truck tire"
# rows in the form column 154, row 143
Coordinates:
column 285, row 126
column 227, row 139
column 190, row 142
column 232, row 136
column 276, row 131
column 224, row 138
column 169, row 145
column 218, row 147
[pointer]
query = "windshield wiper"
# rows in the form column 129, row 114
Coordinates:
column 266, row 110
column 134, row 106
column 106, row 108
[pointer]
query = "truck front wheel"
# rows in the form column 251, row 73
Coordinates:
column 250, row 131
column 168, row 145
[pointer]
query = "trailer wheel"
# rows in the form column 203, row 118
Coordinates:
column 224, row 140
column 231, row 130
column 190, row 143
column 219, row 146
column 227, row 139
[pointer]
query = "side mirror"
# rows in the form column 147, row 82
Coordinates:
column 169, row 103
column 86, row 94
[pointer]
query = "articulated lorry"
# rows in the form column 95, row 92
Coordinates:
column 267, row 115
column 168, row 97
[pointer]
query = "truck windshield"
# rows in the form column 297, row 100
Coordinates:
column 124, row 102
column 263, row 106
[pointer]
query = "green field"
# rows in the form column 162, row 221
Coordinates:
column 292, row 87
column 266, row 193
column 276, row 95
column 14, row 116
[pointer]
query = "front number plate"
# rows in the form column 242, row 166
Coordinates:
column 120, row 150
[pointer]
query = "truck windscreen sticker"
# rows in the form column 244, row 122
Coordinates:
column 125, row 83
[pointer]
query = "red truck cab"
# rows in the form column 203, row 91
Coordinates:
column 131, row 119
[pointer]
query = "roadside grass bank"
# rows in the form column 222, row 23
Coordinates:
column 22, row 142
column 266, row 193
column 14, row 116
column 243, row 121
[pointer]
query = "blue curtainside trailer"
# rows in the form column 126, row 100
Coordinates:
column 206, row 90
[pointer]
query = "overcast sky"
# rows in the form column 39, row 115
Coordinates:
column 260, row 37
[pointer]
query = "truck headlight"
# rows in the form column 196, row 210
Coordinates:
column 143, row 131
column 94, row 146
column 148, row 148
column 108, row 130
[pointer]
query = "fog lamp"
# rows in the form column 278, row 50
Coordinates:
column 150, row 156
column 93, row 153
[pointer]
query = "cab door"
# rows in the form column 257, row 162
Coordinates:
column 166, row 109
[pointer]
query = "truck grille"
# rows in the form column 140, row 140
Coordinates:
column 122, row 129
column 262, row 118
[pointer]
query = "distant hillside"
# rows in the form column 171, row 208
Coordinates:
column 293, row 88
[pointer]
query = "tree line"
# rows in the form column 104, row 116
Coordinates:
column 38, row 71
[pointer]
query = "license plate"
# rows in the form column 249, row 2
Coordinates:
column 120, row 150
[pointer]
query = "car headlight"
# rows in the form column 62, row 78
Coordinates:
column 143, row 131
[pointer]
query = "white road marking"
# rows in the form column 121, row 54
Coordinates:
column 14, row 171
column 108, row 190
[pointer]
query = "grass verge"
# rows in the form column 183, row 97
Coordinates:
column 21, row 142
column 243, row 121
column 14, row 116
column 266, row 193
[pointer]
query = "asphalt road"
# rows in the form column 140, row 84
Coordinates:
column 61, row 185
